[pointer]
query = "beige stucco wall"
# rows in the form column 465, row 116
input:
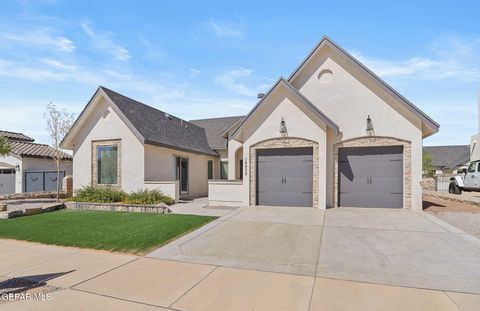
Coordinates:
column 102, row 125
column 348, row 97
column 159, row 165
column 301, row 123
column 225, row 193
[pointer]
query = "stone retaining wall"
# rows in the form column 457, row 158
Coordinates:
column 160, row 208
column 33, row 195
column 32, row 211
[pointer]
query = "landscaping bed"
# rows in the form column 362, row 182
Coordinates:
column 122, row 232
column 462, row 215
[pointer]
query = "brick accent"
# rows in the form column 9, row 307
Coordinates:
column 283, row 142
column 113, row 142
column 376, row 141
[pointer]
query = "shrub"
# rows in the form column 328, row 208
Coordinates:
column 145, row 196
column 99, row 195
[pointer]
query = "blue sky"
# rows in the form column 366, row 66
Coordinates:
column 203, row 59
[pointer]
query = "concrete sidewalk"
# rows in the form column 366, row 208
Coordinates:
column 91, row 280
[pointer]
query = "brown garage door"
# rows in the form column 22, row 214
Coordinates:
column 371, row 176
column 285, row 177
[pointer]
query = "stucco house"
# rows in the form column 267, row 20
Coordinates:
column 29, row 167
column 332, row 134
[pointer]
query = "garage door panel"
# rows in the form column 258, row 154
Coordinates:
column 7, row 183
column 285, row 198
column 285, row 176
column 371, row 176
column 294, row 169
column 385, row 200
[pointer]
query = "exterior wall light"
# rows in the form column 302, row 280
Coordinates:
column 370, row 130
column 17, row 168
column 283, row 128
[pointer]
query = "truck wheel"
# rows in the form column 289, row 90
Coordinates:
column 454, row 189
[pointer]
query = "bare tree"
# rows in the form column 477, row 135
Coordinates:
column 58, row 124
column 4, row 146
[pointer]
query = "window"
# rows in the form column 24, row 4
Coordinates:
column 241, row 170
column 224, row 170
column 7, row 171
column 107, row 165
column 471, row 167
column 210, row 169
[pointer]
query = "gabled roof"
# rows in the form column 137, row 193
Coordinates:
column 448, row 156
column 16, row 136
column 153, row 126
column 160, row 128
column 282, row 82
column 29, row 149
column 434, row 126
column 214, row 129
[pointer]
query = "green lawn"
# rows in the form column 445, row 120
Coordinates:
column 113, row 231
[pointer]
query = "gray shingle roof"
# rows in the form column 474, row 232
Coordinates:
column 214, row 127
column 16, row 136
column 160, row 128
column 28, row 149
column 448, row 156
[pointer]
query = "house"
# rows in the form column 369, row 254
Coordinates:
column 447, row 159
column 332, row 134
column 29, row 167
column 475, row 139
column 122, row 143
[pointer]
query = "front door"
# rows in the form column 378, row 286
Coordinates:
column 181, row 173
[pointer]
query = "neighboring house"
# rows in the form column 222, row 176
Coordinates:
column 447, row 159
column 475, row 139
column 29, row 167
column 332, row 134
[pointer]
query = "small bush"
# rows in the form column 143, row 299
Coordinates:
column 99, row 195
column 110, row 195
column 147, row 197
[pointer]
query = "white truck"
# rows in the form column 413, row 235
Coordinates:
column 469, row 180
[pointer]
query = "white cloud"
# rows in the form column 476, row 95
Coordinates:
column 102, row 41
column 230, row 80
column 194, row 72
column 57, row 64
column 227, row 30
column 39, row 38
column 451, row 59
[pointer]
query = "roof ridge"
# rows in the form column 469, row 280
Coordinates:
column 12, row 132
column 30, row 143
column 216, row 118
column 148, row 106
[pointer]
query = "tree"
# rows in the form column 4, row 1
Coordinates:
column 427, row 166
column 59, row 123
column 4, row 146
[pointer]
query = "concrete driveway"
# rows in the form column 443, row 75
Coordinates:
column 381, row 246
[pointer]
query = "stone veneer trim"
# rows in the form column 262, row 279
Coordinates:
column 378, row 141
column 284, row 142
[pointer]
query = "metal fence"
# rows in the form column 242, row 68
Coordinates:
column 442, row 183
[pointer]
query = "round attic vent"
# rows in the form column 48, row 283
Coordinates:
column 325, row 76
